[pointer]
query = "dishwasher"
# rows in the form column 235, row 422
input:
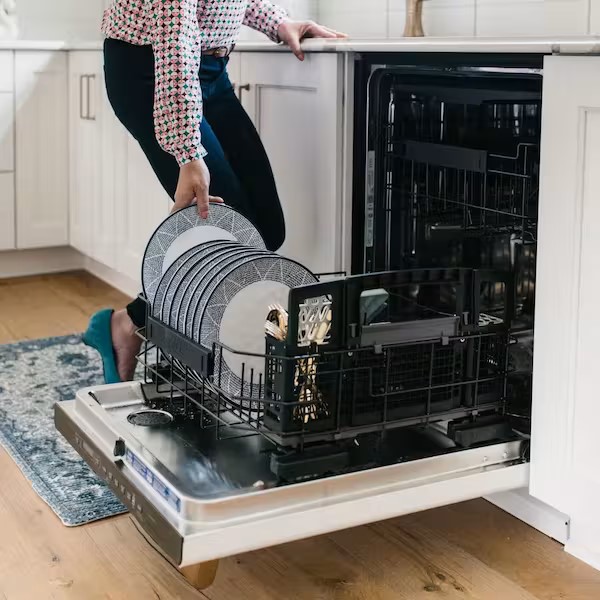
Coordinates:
column 417, row 395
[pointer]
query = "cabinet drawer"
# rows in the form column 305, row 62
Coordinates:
column 7, row 211
column 7, row 77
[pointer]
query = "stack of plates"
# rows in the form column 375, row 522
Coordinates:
column 213, row 280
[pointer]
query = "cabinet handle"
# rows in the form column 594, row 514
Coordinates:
column 91, row 116
column 244, row 88
column 81, row 115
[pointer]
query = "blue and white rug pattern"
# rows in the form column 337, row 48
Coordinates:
column 33, row 376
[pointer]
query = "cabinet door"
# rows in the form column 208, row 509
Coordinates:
column 85, row 164
column 297, row 109
column 566, row 410
column 7, row 140
column 234, row 69
column 41, row 149
column 145, row 207
column 7, row 211
column 113, row 179
column 7, row 80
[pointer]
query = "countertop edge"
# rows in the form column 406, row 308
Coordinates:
column 585, row 45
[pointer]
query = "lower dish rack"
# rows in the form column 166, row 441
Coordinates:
column 403, row 349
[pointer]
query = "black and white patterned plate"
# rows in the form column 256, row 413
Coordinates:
column 235, row 313
column 184, row 230
column 176, row 287
column 191, row 284
column 206, row 282
column 162, row 291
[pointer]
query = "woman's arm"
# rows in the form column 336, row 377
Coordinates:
column 177, row 95
column 272, row 20
column 266, row 17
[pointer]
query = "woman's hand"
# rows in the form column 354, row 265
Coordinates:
column 193, row 186
column 293, row 32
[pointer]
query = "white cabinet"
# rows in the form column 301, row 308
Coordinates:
column 7, row 157
column 566, row 411
column 234, row 69
column 7, row 211
column 85, row 173
column 113, row 181
column 98, row 172
column 7, row 129
column 145, row 207
column 7, row 79
column 41, row 149
column 297, row 109
column 116, row 201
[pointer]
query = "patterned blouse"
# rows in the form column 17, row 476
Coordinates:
column 178, row 31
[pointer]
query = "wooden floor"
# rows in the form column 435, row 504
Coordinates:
column 467, row 551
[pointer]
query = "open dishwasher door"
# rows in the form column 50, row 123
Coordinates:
column 198, row 496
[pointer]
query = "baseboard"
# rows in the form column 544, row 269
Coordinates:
column 42, row 261
column 584, row 540
column 535, row 513
column 121, row 282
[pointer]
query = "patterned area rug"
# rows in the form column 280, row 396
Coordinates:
column 33, row 376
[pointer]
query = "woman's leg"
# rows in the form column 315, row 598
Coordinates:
column 247, row 157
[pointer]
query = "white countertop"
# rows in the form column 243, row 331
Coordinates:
column 520, row 45
column 517, row 45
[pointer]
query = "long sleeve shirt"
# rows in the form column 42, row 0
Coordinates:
column 179, row 30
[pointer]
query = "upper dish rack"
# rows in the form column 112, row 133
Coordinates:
column 452, row 174
column 403, row 348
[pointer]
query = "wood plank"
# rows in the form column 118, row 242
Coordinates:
column 44, row 306
column 40, row 558
column 419, row 563
column 470, row 550
column 304, row 570
column 535, row 562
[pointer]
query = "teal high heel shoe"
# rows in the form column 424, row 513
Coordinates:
column 98, row 337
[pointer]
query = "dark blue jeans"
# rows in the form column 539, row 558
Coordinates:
column 239, row 167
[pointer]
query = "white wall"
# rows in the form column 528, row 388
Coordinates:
column 81, row 19
column 297, row 9
column 59, row 19
column 385, row 18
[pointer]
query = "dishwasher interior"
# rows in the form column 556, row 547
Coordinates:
column 447, row 175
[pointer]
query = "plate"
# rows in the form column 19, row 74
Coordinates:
column 203, row 275
column 172, row 299
column 184, row 230
column 207, row 281
column 191, row 283
column 187, row 258
column 235, row 314
column 180, row 283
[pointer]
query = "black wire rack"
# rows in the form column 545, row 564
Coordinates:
column 453, row 165
column 370, row 376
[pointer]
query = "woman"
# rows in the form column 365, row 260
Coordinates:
column 165, row 68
